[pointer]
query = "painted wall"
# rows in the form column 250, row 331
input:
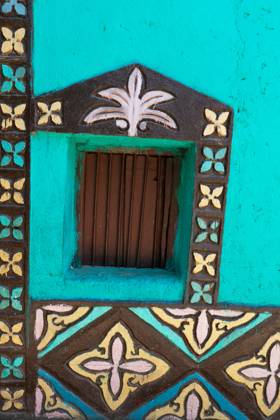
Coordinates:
column 229, row 51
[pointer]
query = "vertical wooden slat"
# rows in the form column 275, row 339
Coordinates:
column 94, row 210
column 172, row 225
column 142, row 200
column 159, row 212
column 166, row 210
column 147, row 224
column 100, row 209
column 81, row 208
column 120, row 214
column 129, row 188
column 135, row 217
column 108, row 214
column 89, row 199
column 113, row 216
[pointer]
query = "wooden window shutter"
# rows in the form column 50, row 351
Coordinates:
column 128, row 209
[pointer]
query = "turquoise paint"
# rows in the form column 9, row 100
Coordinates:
column 164, row 398
column 146, row 315
column 70, row 397
column 61, row 337
column 54, row 242
column 123, row 284
column 229, row 52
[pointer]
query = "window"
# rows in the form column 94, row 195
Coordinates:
column 128, row 209
column 175, row 120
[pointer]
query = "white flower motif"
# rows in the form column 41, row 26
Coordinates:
column 271, row 374
column 216, row 123
column 204, row 319
column 134, row 110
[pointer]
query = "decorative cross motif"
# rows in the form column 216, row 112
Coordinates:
column 118, row 366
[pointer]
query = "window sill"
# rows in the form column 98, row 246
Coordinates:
column 122, row 284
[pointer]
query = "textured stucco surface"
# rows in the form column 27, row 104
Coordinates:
column 228, row 49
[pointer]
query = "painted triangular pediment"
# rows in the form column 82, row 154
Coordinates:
column 133, row 100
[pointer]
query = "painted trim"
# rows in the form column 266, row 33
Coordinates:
column 15, row 99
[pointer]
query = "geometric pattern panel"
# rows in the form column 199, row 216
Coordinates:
column 107, row 362
column 120, row 360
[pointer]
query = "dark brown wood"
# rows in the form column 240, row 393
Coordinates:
column 128, row 209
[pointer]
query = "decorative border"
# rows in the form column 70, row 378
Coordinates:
column 15, row 110
column 211, row 343
column 211, row 181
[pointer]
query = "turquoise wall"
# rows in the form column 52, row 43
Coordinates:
column 229, row 51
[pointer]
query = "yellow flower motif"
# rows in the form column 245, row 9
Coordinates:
column 14, row 116
column 201, row 263
column 13, row 41
column 10, row 263
column 216, row 123
column 51, row 112
column 12, row 399
column 210, row 196
column 8, row 334
column 12, row 191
